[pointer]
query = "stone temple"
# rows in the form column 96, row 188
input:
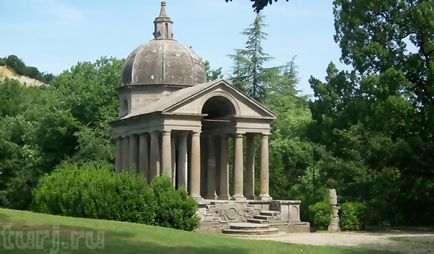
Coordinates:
column 174, row 123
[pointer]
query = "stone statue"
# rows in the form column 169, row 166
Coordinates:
column 333, row 201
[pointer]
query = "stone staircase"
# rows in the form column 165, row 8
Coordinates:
column 259, row 225
column 246, row 228
column 265, row 217
column 251, row 217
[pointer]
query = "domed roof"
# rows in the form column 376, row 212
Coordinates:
column 163, row 60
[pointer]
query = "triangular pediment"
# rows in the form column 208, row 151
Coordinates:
column 192, row 100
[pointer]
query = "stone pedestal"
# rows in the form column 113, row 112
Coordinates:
column 333, row 201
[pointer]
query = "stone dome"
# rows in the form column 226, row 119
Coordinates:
column 163, row 60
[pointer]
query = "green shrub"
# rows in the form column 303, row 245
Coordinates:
column 352, row 216
column 175, row 208
column 320, row 214
column 91, row 191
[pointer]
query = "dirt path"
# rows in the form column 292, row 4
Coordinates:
column 402, row 242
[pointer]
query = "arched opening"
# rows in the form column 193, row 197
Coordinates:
column 166, row 31
column 218, row 108
column 218, row 123
column 124, row 108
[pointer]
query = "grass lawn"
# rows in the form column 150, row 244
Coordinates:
column 22, row 231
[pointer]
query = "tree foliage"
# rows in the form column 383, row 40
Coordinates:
column 248, row 72
column 42, row 126
column 258, row 5
column 212, row 74
column 376, row 121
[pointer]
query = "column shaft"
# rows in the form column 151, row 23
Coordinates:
column 224, row 168
column 264, row 195
column 125, row 153
column 118, row 164
column 238, row 169
column 144, row 156
column 154, row 166
column 133, row 154
column 166, row 149
column 250, row 167
column 182, row 162
column 173, row 157
column 195, row 165
column 211, row 169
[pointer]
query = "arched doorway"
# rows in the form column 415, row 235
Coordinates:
column 217, row 126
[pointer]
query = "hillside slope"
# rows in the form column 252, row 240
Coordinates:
column 123, row 237
column 6, row 72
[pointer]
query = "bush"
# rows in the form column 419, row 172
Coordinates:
column 352, row 216
column 320, row 214
column 174, row 208
column 92, row 191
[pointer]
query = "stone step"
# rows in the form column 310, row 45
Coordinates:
column 263, row 217
column 264, row 231
column 270, row 213
column 248, row 226
column 258, row 221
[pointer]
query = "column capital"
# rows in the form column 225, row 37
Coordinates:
column 166, row 132
column 239, row 134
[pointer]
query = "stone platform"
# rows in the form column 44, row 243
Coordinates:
column 231, row 216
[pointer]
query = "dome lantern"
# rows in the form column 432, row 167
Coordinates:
column 163, row 60
column 163, row 25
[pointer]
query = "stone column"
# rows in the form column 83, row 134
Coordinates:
column 144, row 155
column 154, row 166
column 264, row 192
column 238, row 168
column 166, row 149
column 182, row 161
column 250, row 167
column 134, row 154
column 118, row 164
column 173, row 165
column 195, row 166
column 333, row 201
column 125, row 153
column 224, row 168
column 211, row 169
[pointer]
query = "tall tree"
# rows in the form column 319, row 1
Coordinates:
column 377, row 121
column 248, row 71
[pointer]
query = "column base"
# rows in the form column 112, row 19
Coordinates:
column 211, row 196
column 238, row 198
column 265, row 197
column 198, row 198
column 224, row 197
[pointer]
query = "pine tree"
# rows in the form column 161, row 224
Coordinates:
column 248, row 73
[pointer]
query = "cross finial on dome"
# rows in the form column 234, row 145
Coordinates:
column 163, row 25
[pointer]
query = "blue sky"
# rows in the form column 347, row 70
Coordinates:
column 54, row 35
